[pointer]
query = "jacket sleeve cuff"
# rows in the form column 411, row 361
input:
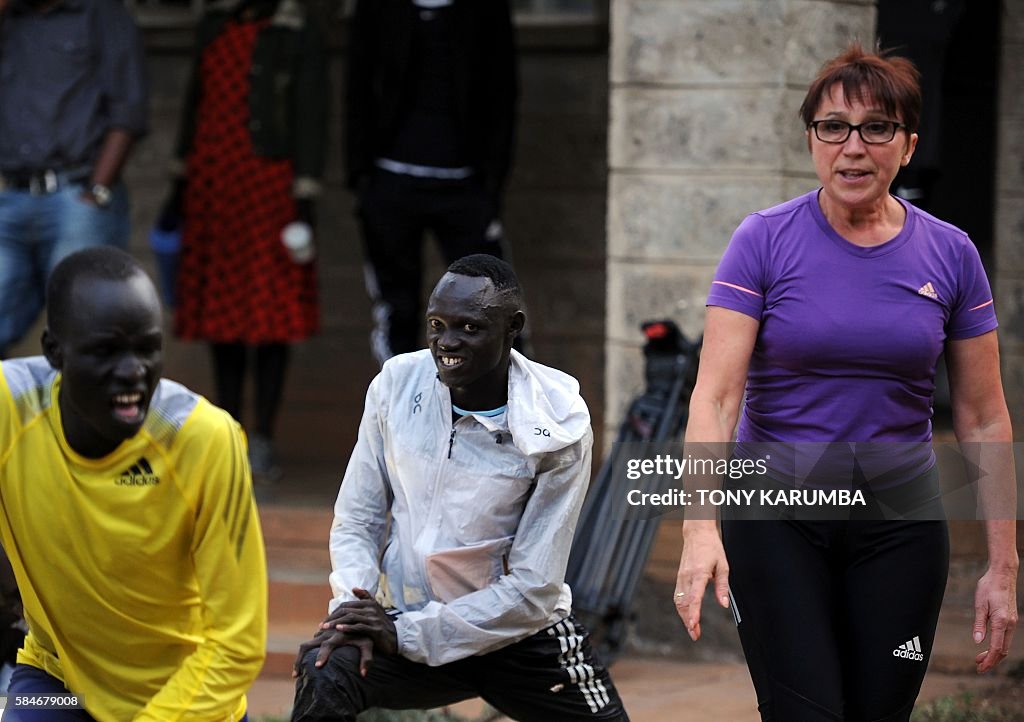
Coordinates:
column 408, row 643
column 306, row 187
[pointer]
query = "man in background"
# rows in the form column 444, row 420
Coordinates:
column 73, row 99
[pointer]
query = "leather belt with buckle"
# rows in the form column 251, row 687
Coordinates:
column 40, row 182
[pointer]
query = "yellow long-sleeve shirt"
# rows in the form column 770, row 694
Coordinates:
column 142, row 573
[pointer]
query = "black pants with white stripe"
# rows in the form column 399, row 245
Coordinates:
column 550, row 676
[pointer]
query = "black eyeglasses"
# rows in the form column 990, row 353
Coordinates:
column 874, row 132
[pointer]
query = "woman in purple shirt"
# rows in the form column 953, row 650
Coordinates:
column 827, row 317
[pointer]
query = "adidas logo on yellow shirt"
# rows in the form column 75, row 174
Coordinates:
column 139, row 474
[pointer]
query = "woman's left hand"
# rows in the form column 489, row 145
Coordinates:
column 995, row 615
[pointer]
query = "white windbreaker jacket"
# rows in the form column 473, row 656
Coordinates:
column 483, row 511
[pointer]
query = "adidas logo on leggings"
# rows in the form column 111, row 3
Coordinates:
column 910, row 650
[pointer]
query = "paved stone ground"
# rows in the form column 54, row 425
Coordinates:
column 655, row 690
column 661, row 675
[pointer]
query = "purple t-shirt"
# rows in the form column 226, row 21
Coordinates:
column 849, row 336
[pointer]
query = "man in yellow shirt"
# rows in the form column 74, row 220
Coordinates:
column 126, row 511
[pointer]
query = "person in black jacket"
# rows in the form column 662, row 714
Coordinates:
column 431, row 102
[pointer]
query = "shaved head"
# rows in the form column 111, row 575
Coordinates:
column 100, row 262
column 503, row 278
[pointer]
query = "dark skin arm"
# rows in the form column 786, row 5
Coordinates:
column 363, row 624
column 113, row 153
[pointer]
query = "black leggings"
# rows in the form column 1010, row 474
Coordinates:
column 229, row 364
column 837, row 618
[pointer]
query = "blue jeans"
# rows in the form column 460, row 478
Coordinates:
column 31, row 680
column 36, row 232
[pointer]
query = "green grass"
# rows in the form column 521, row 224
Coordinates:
column 963, row 707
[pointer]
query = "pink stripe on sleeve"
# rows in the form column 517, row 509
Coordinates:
column 987, row 303
column 747, row 290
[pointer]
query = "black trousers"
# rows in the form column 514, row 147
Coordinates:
column 549, row 676
column 396, row 212
column 836, row 618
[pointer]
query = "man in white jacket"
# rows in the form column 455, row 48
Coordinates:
column 453, row 526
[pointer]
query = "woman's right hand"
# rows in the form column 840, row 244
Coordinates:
column 702, row 560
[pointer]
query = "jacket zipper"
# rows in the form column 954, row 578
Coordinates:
column 425, row 579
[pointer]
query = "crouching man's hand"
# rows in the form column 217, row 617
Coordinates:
column 362, row 624
column 327, row 640
column 365, row 618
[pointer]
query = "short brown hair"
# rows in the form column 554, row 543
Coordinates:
column 891, row 81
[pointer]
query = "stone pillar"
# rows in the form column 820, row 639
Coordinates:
column 1009, row 228
column 1009, row 209
column 703, row 130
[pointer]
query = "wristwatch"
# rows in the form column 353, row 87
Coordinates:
column 101, row 194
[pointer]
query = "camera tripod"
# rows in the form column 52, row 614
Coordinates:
column 610, row 550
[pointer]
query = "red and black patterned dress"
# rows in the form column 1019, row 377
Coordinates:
column 236, row 283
